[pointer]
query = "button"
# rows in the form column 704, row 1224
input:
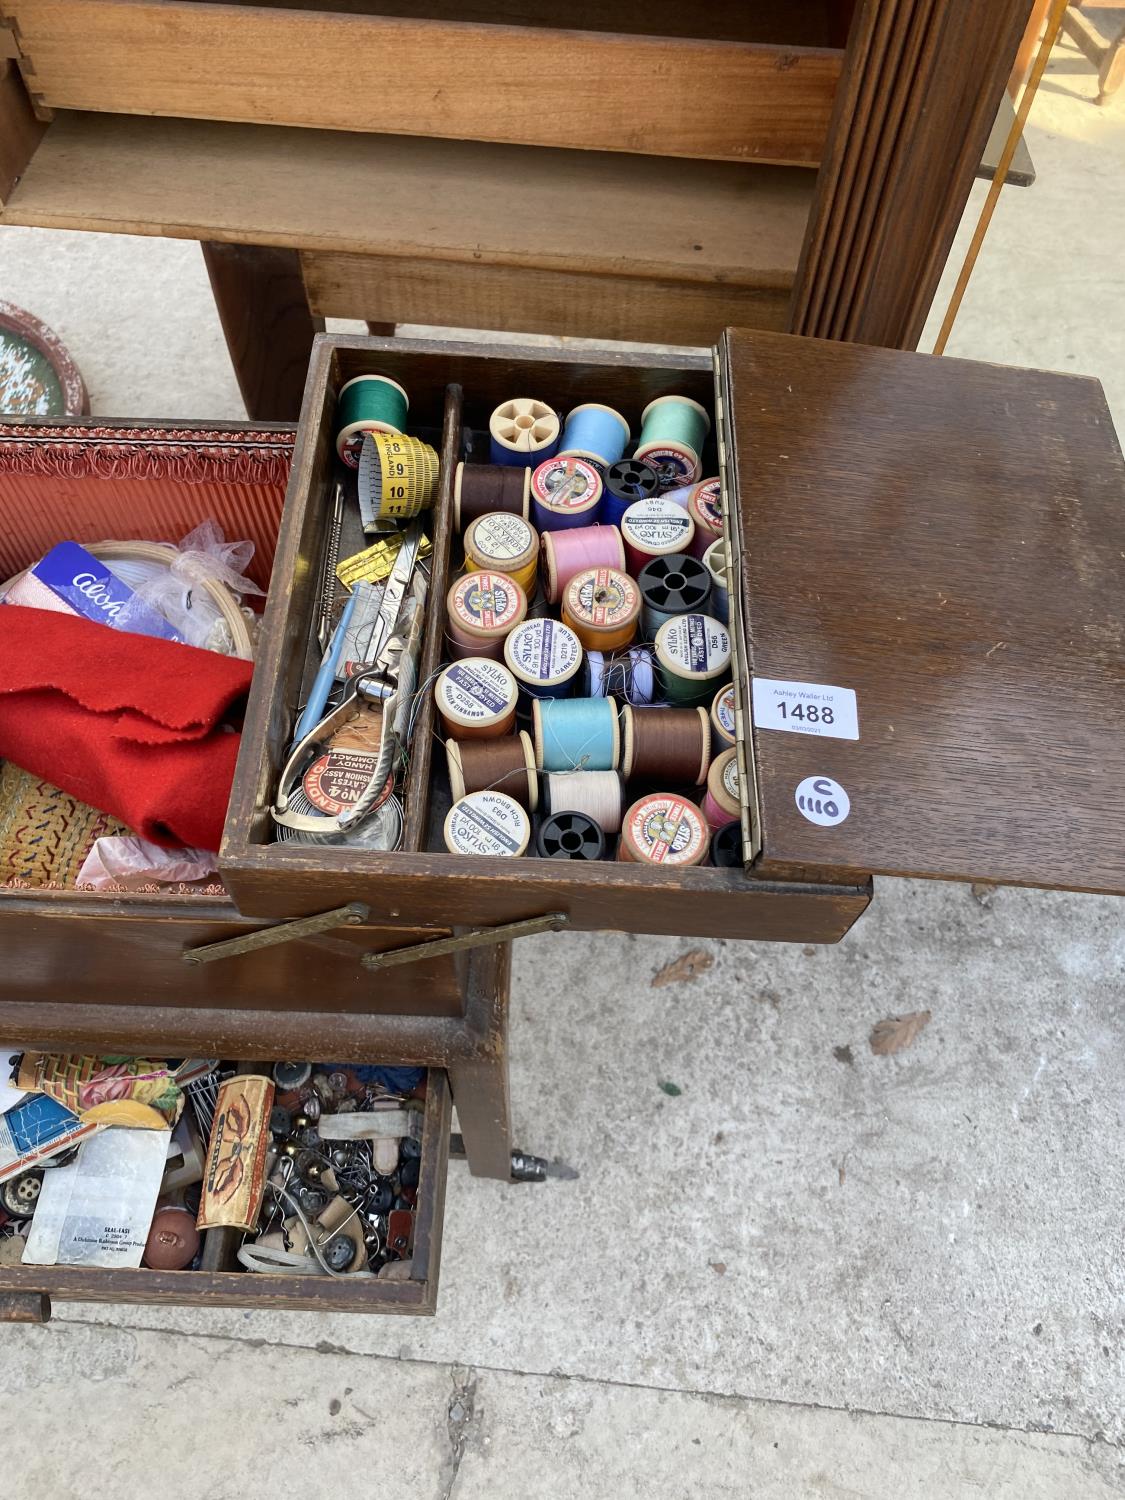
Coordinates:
column 291, row 1075
column 19, row 1195
column 281, row 1121
column 338, row 1252
column 172, row 1240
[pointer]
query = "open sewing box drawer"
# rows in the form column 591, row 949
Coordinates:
column 943, row 538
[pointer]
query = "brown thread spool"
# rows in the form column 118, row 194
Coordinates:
column 506, row 765
column 602, row 606
column 482, row 488
column 665, row 746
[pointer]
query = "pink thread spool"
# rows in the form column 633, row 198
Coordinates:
column 567, row 553
column 721, row 805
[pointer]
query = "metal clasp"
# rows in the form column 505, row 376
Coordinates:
column 475, row 937
column 352, row 915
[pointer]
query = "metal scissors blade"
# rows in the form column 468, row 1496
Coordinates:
column 393, row 594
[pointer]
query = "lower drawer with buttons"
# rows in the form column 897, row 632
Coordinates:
column 351, row 1218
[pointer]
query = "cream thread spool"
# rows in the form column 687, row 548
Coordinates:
column 666, row 830
column 722, row 804
column 487, row 823
column 482, row 608
column 715, row 561
column 602, row 607
column 523, row 431
column 499, row 543
column 476, row 699
column 722, row 720
column 598, row 794
column 693, row 658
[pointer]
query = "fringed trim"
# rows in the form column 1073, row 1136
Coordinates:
column 192, row 455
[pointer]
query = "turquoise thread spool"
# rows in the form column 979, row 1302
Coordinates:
column 596, row 433
column 576, row 734
column 369, row 403
column 673, row 431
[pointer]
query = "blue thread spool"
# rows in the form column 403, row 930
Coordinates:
column 673, row 431
column 523, row 432
column 565, row 493
column 621, row 674
column 576, row 734
column 596, row 433
column 625, row 482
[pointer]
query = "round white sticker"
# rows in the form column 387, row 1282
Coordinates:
column 823, row 801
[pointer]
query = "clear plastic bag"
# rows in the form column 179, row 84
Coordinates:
column 179, row 593
column 132, row 863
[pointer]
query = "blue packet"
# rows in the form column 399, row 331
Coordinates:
column 70, row 577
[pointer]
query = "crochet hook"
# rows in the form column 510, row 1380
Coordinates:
column 326, row 674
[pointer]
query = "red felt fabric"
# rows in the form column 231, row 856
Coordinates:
column 135, row 726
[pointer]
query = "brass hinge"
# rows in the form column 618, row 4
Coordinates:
column 475, row 937
column 351, row 915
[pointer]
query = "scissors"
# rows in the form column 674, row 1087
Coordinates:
column 389, row 676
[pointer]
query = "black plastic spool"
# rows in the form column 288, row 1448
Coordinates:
column 631, row 479
column 569, row 835
column 677, row 584
column 726, row 847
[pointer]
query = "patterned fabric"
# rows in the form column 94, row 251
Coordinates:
column 45, row 835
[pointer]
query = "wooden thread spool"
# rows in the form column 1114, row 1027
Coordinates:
column 692, row 657
column 705, row 507
column 523, row 432
column 602, row 606
column 485, row 489
column 715, row 561
column 500, row 543
column 506, row 765
column 598, row 794
column 487, row 823
column 567, row 553
column 722, row 804
column 665, row 746
column 664, row 829
column 544, row 656
column 476, row 699
column 576, row 734
column 673, row 430
column 481, row 609
column 722, row 720
column 565, row 493
column 655, row 528
column 676, row 585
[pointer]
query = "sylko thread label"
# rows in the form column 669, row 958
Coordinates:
column 695, row 643
column 475, row 691
column 485, row 601
column 667, row 830
column 489, row 823
column 543, row 651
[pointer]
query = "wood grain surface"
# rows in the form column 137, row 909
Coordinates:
column 947, row 539
column 707, row 98
column 20, row 131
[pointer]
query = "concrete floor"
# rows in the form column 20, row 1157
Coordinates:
column 814, row 1272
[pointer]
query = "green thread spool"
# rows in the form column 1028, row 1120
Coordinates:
column 673, row 431
column 693, row 658
column 369, row 403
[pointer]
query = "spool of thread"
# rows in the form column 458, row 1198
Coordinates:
column 654, row 528
column 680, row 496
column 576, row 734
column 595, row 432
column 722, row 720
column 499, row 543
column 673, row 431
column 488, row 823
column 476, row 699
column 624, row 483
column 722, row 805
column 705, row 507
column 671, row 586
column 485, row 489
column 595, row 793
column 506, row 765
column 692, row 658
column 523, row 432
column 715, row 561
column 565, row 493
column 538, row 608
column 665, row 746
column 566, row 553
column 545, row 658
column 602, row 607
column 369, row 403
column 664, row 829
column 621, row 674
column 481, row 609
column 396, row 477
column 570, row 835
column 726, row 847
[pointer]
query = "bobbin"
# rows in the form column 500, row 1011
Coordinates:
column 670, row 746
column 673, row 430
column 367, row 403
column 670, row 586
column 576, row 734
column 722, row 720
column 723, row 804
column 565, row 493
column 726, row 847
column 625, row 482
column 654, row 528
column 544, row 657
column 596, row 433
column 715, row 561
column 523, row 431
column 506, row 765
column 568, row 552
column 570, row 835
column 692, row 656
column 482, row 607
column 625, row 674
column 705, row 507
column 481, row 489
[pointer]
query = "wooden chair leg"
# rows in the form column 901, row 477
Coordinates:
column 480, row 1089
column 264, row 310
